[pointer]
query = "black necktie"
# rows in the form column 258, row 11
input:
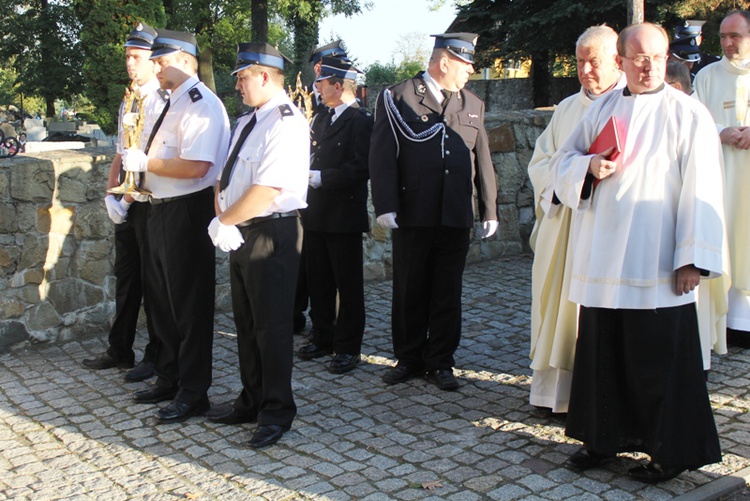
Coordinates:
column 156, row 127
column 331, row 114
column 226, row 174
column 446, row 98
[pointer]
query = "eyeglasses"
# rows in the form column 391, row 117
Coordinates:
column 640, row 61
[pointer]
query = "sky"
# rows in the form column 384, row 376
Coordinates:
column 373, row 35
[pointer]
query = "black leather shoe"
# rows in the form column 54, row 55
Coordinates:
column 154, row 394
column 142, row 371
column 312, row 350
column 227, row 414
column 400, row 374
column 267, row 434
column 104, row 361
column 586, row 459
column 653, row 473
column 443, row 379
column 343, row 363
column 177, row 412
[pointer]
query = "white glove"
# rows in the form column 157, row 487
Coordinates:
column 124, row 204
column 116, row 213
column 134, row 160
column 388, row 220
column 139, row 197
column 314, row 181
column 225, row 237
column 489, row 228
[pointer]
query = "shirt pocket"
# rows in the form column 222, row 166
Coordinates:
column 167, row 145
column 250, row 159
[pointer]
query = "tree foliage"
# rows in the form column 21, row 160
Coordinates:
column 547, row 29
column 303, row 17
column 105, row 25
column 40, row 41
column 384, row 74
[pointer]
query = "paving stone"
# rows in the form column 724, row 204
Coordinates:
column 67, row 432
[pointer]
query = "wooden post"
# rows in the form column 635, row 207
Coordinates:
column 635, row 11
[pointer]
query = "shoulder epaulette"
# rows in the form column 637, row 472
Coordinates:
column 285, row 110
column 195, row 94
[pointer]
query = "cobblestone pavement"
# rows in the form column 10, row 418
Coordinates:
column 70, row 433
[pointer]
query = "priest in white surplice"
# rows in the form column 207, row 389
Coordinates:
column 554, row 319
column 723, row 88
column 642, row 239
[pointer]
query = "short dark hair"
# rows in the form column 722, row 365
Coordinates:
column 742, row 12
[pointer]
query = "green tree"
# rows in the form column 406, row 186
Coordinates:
column 303, row 17
column 384, row 74
column 547, row 29
column 43, row 35
column 105, row 25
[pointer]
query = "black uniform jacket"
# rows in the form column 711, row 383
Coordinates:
column 425, row 187
column 340, row 152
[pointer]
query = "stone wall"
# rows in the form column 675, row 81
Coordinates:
column 57, row 253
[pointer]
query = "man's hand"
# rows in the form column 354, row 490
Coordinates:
column 600, row 167
column 115, row 210
column 743, row 139
column 388, row 220
column 225, row 237
column 489, row 228
column 314, row 180
column 730, row 135
column 134, row 160
column 688, row 278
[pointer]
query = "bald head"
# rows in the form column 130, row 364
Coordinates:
column 642, row 54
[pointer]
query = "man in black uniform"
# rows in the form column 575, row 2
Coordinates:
column 333, row 49
column 429, row 152
column 336, row 217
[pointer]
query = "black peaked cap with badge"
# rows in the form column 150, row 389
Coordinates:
column 333, row 49
column 461, row 45
column 142, row 37
column 168, row 41
column 337, row 67
column 689, row 28
column 263, row 54
column 685, row 49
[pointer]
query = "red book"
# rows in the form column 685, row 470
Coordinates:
column 609, row 137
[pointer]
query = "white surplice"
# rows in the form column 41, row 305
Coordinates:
column 661, row 210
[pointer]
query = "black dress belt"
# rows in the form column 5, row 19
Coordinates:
column 275, row 215
column 157, row 201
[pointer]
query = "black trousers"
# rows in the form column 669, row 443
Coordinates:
column 180, row 284
column 130, row 245
column 263, row 273
column 428, row 266
column 638, row 385
column 334, row 265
